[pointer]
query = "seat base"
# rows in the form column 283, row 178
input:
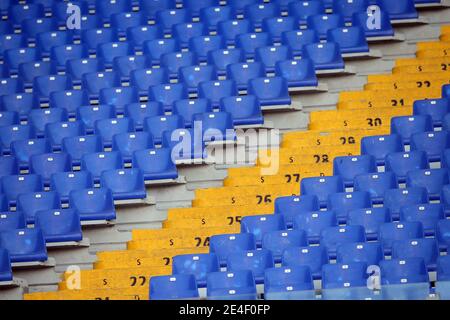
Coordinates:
column 14, row 283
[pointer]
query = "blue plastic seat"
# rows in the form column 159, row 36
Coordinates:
column 376, row 184
column 124, row 20
column 216, row 90
column 211, row 16
column 56, row 132
column 168, row 18
column 400, row 163
column 24, row 149
column 261, row 224
column 348, row 8
column 140, row 34
column 431, row 179
column 77, row 68
column 198, row 265
column 270, row 56
column 395, row 199
column 9, row 134
column 406, row 126
column 30, row 70
column 445, row 197
column 324, row 22
column 24, row 245
column 446, row 91
column 230, row 29
column 6, row 27
column 277, row 241
column 32, row 27
column 322, row 187
column 436, row 108
column 249, row 42
column 11, row 41
column 8, row 118
column 257, row 12
column 151, row 7
column 14, row 57
column 222, row 58
column 288, row 283
column 4, row 204
column 201, row 45
column 370, row 219
column 110, row 50
column 48, row 163
column 183, row 32
column 298, row 73
column 348, row 167
column 245, row 110
column 297, row 39
column 167, row 94
column 239, row 285
column 404, row 279
column 125, row 184
column 303, row 9
column 369, row 252
column 381, row 146
column 186, row 144
column 345, row 281
column 12, row 221
column 93, row 204
column 270, row 91
column 94, row 82
column 143, row 79
column 43, row 86
column 21, row 103
column 61, row 225
column 216, row 126
column 243, row 72
column 375, row 22
column 332, row 237
column 127, row 143
column 224, row 244
column 78, row 146
column 97, row 163
column 192, row 76
column 350, row 39
column 157, row 48
column 89, row 115
column 127, row 64
column 290, row 207
column 89, row 22
column 155, row 164
column 427, row 214
column 139, row 111
column 17, row 13
column 39, row 118
column 393, row 231
column 158, row 124
column 324, row 55
column 8, row 166
column 425, row 248
column 10, row 86
column 433, row 143
column 174, row 61
column 276, row 26
column 238, row 6
column 256, row 261
column 118, row 96
column 180, row 286
column 59, row 9
column 399, row 10
column 443, row 233
column 65, row 182
column 343, row 202
column 60, row 55
column 314, row 257
column 106, row 8
column 443, row 279
column 187, row 108
column 314, row 222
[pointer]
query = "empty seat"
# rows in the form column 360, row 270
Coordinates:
column 259, row 11
column 381, row 146
column 45, row 41
column 291, row 206
column 243, row 72
column 65, row 182
column 216, row 126
column 43, row 86
column 12, row 220
column 255, row 260
column 39, row 118
column 275, row 26
column 155, row 49
column 431, row 179
column 56, row 132
column 192, row 76
column 5, row 266
column 143, row 79
column 183, row 32
column 96, row 163
column 427, row 214
column 436, row 108
column 433, row 143
column 107, row 128
column 348, row 167
column 76, row 68
column 118, row 96
column 106, row 8
column 127, row 64
column 249, row 42
column 269, row 56
column 376, row 184
column 110, row 50
column 93, row 204
column 30, row 203
column 369, row 252
column 216, row 90
column 8, row 166
column 351, row 40
column 125, row 184
column 326, row 56
column 174, row 61
column 30, row 70
column 140, row 34
column 314, row 222
column 21, row 103
column 374, row 27
column 93, row 82
column 270, row 91
column 187, row 108
column 201, row 45
column 168, row 18
column 298, row 73
column 425, row 248
column 61, row 225
column 197, row 264
column 124, row 20
column 78, row 146
column 155, row 164
column 324, row 22
column 297, row 39
column 345, row 281
column 446, row 91
column 239, row 285
column 167, row 94
column 69, row 100
column 222, row 58
column 60, row 55
column 288, row 283
column 139, row 111
column 321, row 187
column 399, row 10
column 9, row 134
column 211, row 16
column 89, row 115
column 259, row 225
column 395, row 199
column 349, row 7
column 314, row 257
column 186, row 144
column 14, row 57
column 158, row 124
column 370, row 219
column 24, row 245
column 400, row 163
column 303, row 9
column 443, row 267
column 404, row 279
column 343, row 202
column 224, row 244
column 47, row 164
column 127, row 143
column 406, row 126
column 151, row 7
column 245, row 110
column 24, row 149
column 391, row 232
column 230, row 29
column 19, row 12
column 277, row 241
